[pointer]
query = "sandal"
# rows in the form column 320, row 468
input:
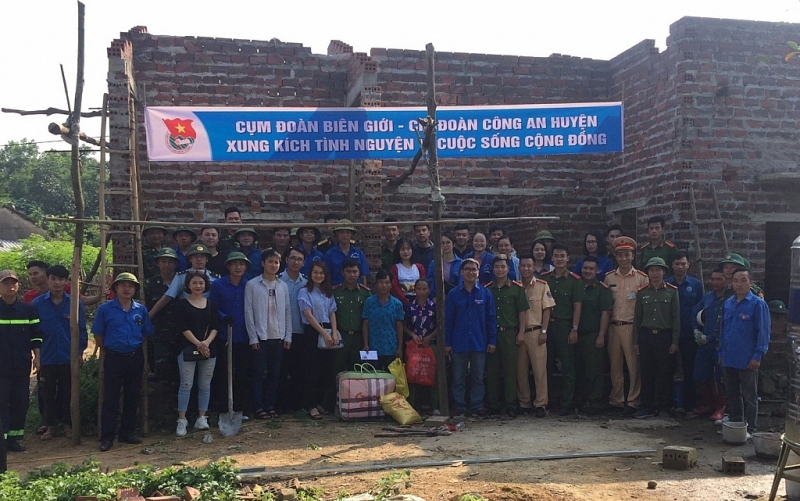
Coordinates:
column 273, row 414
column 47, row 435
column 322, row 410
column 40, row 430
column 261, row 414
column 314, row 414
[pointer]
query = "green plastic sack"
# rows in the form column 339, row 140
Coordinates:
column 398, row 370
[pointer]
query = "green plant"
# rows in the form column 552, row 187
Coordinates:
column 309, row 494
column 216, row 481
column 391, row 484
column 470, row 496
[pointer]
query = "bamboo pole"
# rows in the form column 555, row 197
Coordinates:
column 172, row 224
column 437, row 201
column 74, row 307
column 137, row 244
column 103, row 259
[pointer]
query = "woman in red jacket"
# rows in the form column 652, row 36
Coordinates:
column 404, row 273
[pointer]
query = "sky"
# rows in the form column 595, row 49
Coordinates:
column 38, row 35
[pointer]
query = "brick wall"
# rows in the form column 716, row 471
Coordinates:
column 702, row 111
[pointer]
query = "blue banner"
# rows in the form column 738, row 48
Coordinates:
column 262, row 134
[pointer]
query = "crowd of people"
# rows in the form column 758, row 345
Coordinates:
column 299, row 312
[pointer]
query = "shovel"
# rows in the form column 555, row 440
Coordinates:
column 231, row 422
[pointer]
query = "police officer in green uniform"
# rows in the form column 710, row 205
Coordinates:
column 511, row 304
column 350, row 296
column 227, row 243
column 656, row 333
column 165, row 323
column 657, row 245
column 326, row 243
column 568, row 292
column 154, row 240
column 592, row 329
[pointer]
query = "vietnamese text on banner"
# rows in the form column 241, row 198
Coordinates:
column 204, row 134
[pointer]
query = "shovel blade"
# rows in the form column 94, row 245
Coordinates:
column 230, row 423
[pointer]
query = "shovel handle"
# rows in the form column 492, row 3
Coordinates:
column 230, row 368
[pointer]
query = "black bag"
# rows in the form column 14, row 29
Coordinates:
column 192, row 354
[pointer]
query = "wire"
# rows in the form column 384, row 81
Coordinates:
column 37, row 142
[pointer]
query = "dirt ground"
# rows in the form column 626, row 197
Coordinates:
column 295, row 442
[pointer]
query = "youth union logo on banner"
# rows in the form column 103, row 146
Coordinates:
column 180, row 135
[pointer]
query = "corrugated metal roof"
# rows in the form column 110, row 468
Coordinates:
column 7, row 245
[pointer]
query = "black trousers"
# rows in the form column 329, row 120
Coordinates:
column 123, row 374
column 242, row 393
column 688, row 348
column 657, row 368
column 307, row 374
column 55, row 388
column 14, row 404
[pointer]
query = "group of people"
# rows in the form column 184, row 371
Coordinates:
column 299, row 312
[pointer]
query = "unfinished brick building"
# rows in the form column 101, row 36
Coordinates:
column 704, row 111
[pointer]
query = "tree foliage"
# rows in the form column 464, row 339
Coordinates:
column 49, row 251
column 40, row 185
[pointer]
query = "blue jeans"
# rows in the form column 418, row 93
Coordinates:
column 187, row 369
column 475, row 362
column 267, row 369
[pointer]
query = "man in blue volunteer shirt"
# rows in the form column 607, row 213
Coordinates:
column 470, row 332
column 708, row 316
column 228, row 294
column 119, row 329
column 743, row 341
column 53, row 308
column 690, row 293
column 342, row 250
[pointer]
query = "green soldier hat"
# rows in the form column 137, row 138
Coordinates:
column 187, row 230
column 317, row 233
column 736, row 259
column 245, row 230
column 154, row 227
column 656, row 261
column 237, row 256
column 167, row 252
column 544, row 235
column 777, row 306
column 198, row 249
column 126, row 277
column 745, row 261
column 345, row 224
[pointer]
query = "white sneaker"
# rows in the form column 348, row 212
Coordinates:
column 725, row 419
column 181, row 429
column 201, row 423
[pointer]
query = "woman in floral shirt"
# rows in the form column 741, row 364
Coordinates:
column 420, row 326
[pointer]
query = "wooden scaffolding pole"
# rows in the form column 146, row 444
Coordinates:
column 437, row 200
column 74, row 307
column 101, row 187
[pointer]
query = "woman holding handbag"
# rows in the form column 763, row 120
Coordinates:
column 198, row 321
column 318, row 309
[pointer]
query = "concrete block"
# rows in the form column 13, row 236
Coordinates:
column 676, row 457
column 435, row 421
column 733, row 465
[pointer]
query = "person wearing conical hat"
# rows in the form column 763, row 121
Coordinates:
column 344, row 249
column 656, row 333
column 624, row 282
column 119, row 328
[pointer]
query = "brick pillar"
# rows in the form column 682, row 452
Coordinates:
column 363, row 91
column 121, row 85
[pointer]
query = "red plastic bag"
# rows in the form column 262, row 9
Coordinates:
column 420, row 364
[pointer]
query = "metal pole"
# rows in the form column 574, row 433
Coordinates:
column 345, row 468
